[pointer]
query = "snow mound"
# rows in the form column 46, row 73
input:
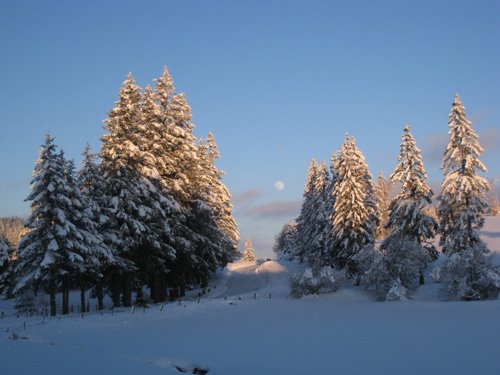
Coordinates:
column 182, row 366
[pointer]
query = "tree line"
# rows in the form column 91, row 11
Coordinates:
column 150, row 210
column 344, row 210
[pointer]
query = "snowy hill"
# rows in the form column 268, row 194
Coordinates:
column 491, row 235
column 246, row 324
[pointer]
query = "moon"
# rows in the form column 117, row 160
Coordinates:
column 279, row 185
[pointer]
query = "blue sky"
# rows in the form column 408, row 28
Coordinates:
column 278, row 82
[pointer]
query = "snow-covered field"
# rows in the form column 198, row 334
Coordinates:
column 247, row 325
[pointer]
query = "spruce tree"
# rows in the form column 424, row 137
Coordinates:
column 408, row 210
column 177, row 144
column 329, row 247
column 57, row 244
column 462, row 202
column 354, row 221
column 92, row 186
column 5, row 264
column 222, row 202
column 383, row 188
column 285, row 246
column 120, row 145
column 248, row 253
column 466, row 273
column 151, row 133
column 318, row 254
column 212, row 191
column 406, row 250
column 306, row 218
column 313, row 220
column 135, row 205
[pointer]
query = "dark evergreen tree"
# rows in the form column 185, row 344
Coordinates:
column 306, row 218
column 318, row 253
column 330, row 248
column 132, row 202
column 57, row 244
column 5, row 266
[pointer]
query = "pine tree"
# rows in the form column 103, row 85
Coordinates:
column 285, row 246
column 151, row 132
column 120, row 145
column 58, row 244
column 354, row 221
column 305, row 220
column 329, row 247
column 318, row 254
column 248, row 253
column 383, row 190
column 406, row 250
column 215, row 193
column 177, row 144
column 138, row 228
column 465, row 273
column 393, row 274
column 92, row 185
column 5, row 264
column 408, row 210
column 462, row 202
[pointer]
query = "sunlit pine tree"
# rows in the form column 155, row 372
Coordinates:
column 354, row 221
column 248, row 254
column 462, row 202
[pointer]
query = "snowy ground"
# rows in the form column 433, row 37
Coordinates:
column 247, row 325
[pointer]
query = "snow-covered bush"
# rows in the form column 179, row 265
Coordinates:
column 468, row 275
column 395, row 272
column 364, row 261
column 311, row 281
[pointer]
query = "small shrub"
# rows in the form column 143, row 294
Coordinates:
column 312, row 281
column 468, row 276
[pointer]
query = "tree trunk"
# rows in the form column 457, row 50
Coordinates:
column 82, row 297
column 100, row 296
column 163, row 294
column 115, row 290
column 139, row 297
column 127, row 291
column 153, row 288
column 174, row 293
column 421, row 279
column 65, row 299
column 204, row 282
column 52, row 293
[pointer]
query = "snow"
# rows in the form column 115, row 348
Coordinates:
column 230, row 332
